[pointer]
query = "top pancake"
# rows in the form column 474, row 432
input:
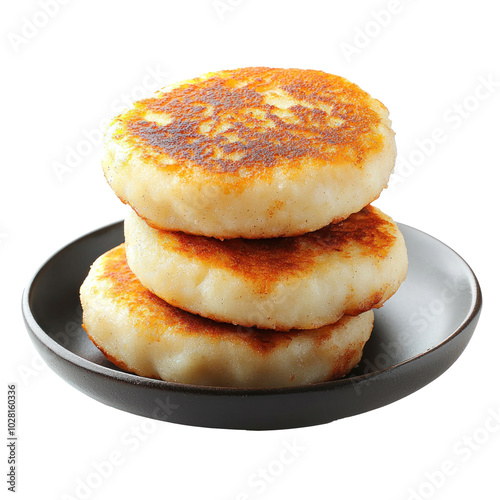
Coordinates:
column 252, row 152
column 256, row 118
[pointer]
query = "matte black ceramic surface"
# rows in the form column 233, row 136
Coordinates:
column 418, row 334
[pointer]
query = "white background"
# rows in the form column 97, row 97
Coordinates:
column 63, row 74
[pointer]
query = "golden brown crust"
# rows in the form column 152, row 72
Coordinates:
column 232, row 121
column 154, row 313
column 268, row 261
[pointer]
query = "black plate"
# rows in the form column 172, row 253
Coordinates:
column 418, row 334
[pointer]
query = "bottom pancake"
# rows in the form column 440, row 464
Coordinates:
column 143, row 334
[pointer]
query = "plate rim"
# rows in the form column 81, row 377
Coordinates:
column 150, row 383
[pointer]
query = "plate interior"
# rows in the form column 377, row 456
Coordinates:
column 435, row 299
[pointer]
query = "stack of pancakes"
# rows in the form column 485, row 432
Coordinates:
column 253, row 257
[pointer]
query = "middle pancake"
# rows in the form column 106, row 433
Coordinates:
column 301, row 282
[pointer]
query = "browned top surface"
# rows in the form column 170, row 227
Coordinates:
column 154, row 313
column 267, row 261
column 232, row 120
